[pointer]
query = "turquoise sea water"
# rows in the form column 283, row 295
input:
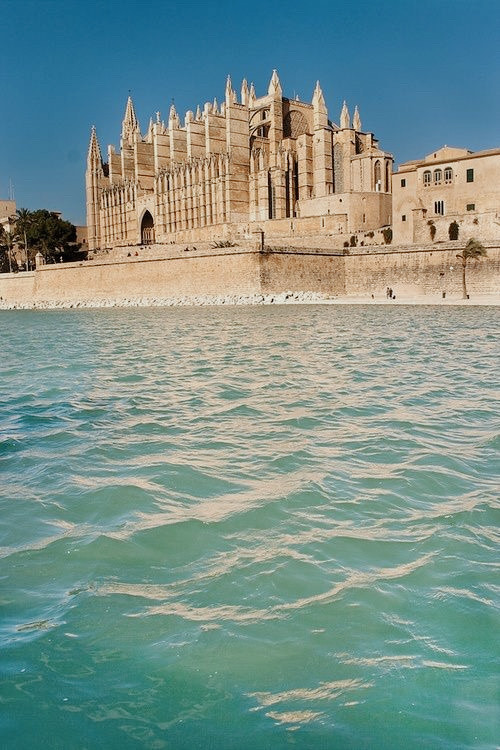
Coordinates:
column 269, row 527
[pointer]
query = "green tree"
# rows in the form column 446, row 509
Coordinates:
column 23, row 220
column 54, row 237
column 472, row 251
column 8, row 239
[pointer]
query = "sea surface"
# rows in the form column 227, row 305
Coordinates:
column 263, row 527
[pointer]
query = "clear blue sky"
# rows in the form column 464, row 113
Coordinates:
column 422, row 73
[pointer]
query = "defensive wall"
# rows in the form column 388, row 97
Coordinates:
column 246, row 271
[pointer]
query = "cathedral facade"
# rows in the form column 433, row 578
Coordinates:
column 234, row 167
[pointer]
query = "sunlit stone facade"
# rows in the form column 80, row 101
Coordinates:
column 232, row 166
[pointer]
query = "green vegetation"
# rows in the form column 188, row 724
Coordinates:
column 453, row 230
column 472, row 251
column 387, row 232
column 37, row 231
column 432, row 229
column 8, row 262
column 223, row 243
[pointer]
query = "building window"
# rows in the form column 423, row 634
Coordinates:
column 438, row 176
column 403, row 183
column 427, row 178
column 403, row 218
column 471, row 206
column 448, row 175
column 470, row 175
column 439, row 208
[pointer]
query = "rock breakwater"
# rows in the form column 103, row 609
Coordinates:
column 202, row 300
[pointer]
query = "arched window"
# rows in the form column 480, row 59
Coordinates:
column 448, row 175
column 427, row 178
column 438, row 176
column 147, row 229
column 387, row 177
column 378, row 177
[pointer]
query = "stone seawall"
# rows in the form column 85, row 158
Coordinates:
column 234, row 272
column 417, row 272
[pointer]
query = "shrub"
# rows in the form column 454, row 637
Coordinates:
column 453, row 230
column 223, row 243
column 346, row 244
column 353, row 241
column 387, row 232
column 432, row 229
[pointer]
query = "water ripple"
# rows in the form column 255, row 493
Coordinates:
column 247, row 523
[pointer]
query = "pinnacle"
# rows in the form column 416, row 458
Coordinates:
column 274, row 83
column 318, row 98
column 94, row 152
column 356, row 120
column 345, row 118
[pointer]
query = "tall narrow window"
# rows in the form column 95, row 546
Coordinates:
column 427, row 178
column 295, row 183
column 438, row 176
column 470, row 175
column 439, row 208
column 378, row 177
column 271, row 197
column 287, row 193
column 448, row 175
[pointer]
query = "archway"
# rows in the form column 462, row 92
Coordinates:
column 147, row 229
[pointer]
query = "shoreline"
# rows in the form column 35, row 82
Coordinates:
column 282, row 298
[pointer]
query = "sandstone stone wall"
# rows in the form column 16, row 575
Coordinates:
column 308, row 272
column 237, row 271
column 416, row 272
column 209, row 274
column 17, row 287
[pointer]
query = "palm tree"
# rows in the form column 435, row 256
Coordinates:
column 23, row 220
column 7, row 239
column 472, row 251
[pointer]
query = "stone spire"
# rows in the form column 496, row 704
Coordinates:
column 356, row 120
column 345, row 117
column 215, row 106
column 320, row 112
column 173, row 118
column 318, row 100
column 94, row 154
column 229, row 90
column 130, row 124
column 198, row 113
column 251, row 96
column 244, row 92
column 275, row 85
